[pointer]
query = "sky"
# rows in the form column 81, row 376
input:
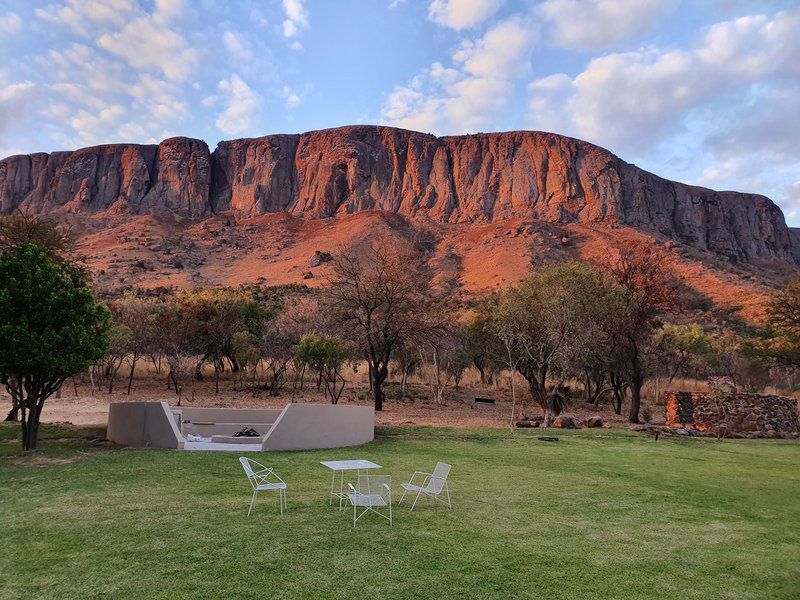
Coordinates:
column 701, row 91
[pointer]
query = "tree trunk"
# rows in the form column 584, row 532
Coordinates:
column 548, row 416
column 130, row 376
column 30, row 428
column 636, row 400
column 378, row 375
column 617, row 401
column 478, row 362
column 13, row 414
column 513, row 397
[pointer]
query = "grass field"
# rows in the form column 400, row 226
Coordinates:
column 600, row 514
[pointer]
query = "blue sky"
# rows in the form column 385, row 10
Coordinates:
column 703, row 91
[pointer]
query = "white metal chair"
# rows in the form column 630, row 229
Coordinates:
column 431, row 485
column 373, row 493
column 263, row 479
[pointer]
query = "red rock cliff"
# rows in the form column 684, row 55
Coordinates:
column 450, row 179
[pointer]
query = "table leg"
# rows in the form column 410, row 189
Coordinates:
column 341, row 490
column 333, row 487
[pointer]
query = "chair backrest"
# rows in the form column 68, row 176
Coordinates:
column 440, row 474
column 248, row 465
column 375, row 485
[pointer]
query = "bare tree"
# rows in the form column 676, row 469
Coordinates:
column 20, row 228
column 379, row 297
column 648, row 290
column 106, row 368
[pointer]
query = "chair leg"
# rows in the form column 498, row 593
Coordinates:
column 402, row 496
column 280, row 500
column 447, row 489
column 419, row 493
column 354, row 517
column 252, row 503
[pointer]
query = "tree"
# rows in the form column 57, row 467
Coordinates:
column 119, row 337
column 687, row 347
column 545, row 324
column 139, row 315
column 325, row 354
column 218, row 315
column 479, row 340
column 19, row 229
column 778, row 342
column 647, row 290
column 446, row 353
column 51, row 329
column 178, row 342
column 247, row 355
column 27, row 229
column 378, row 298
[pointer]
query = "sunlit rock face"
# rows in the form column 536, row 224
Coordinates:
column 469, row 178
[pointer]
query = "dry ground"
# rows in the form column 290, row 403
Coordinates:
column 79, row 405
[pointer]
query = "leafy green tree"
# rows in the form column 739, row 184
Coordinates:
column 480, row 343
column 546, row 324
column 778, row 343
column 51, row 329
column 247, row 355
column 218, row 315
column 325, row 354
column 686, row 347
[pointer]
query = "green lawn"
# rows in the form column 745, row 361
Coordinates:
column 607, row 514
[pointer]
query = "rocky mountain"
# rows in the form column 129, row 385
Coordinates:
column 480, row 178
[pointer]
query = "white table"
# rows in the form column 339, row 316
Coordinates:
column 341, row 466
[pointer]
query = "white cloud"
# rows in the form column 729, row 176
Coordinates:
column 631, row 100
column 10, row 23
column 167, row 10
column 292, row 98
column 464, row 97
column 92, row 125
column 296, row 17
column 725, row 108
column 238, row 48
column 241, row 103
column 146, row 43
column 122, row 71
column 462, row 14
column 83, row 16
column 598, row 24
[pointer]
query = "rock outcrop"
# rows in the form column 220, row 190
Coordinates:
column 468, row 178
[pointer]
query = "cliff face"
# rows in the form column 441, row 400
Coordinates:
column 472, row 178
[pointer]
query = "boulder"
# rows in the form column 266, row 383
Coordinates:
column 595, row 421
column 320, row 258
column 566, row 421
